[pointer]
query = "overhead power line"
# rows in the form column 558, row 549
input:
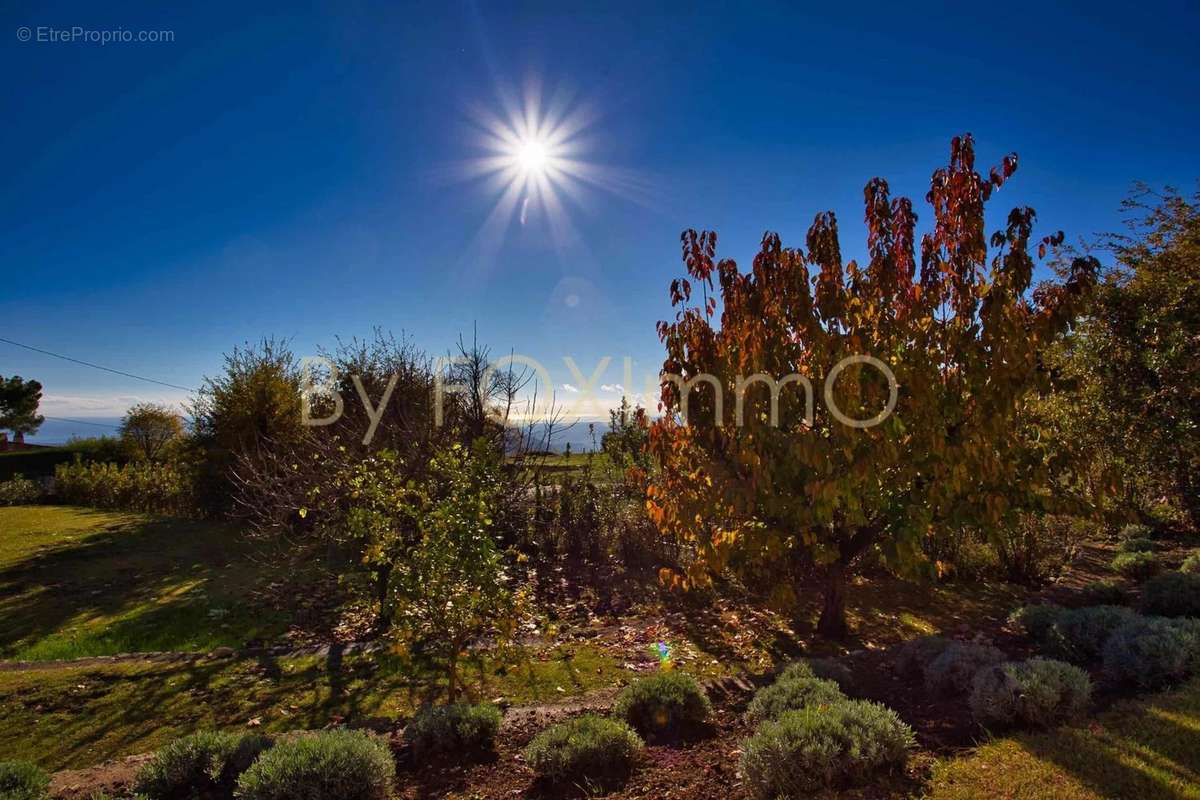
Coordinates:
column 96, row 366
column 82, row 422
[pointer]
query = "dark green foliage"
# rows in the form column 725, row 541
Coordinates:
column 587, row 750
column 20, row 780
column 1103, row 593
column 1036, row 620
column 1191, row 564
column 1151, row 651
column 810, row 748
column 40, row 463
column 1138, row 545
column 459, row 727
column 1172, row 594
column 1079, row 635
column 202, row 764
column 19, row 491
column 1137, row 566
column 19, row 400
column 664, row 704
column 1139, row 347
column 915, row 655
column 952, row 671
column 331, row 765
column 1038, row 693
column 790, row 693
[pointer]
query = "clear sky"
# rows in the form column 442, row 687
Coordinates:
column 303, row 171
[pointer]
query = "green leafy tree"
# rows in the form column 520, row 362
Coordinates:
column 1141, row 350
column 381, row 524
column 435, row 546
column 749, row 476
column 149, row 429
column 19, row 400
column 628, row 431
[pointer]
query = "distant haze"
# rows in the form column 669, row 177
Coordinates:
column 55, row 431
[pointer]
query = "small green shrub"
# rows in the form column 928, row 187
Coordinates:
column 458, row 727
column 1103, row 593
column 19, row 491
column 1152, row 651
column 1079, row 635
column 1138, row 545
column 1172, row 594
column 952, row 671
column 827, row 669
column 1035, row 620
column 1191, row 564
column 20, row 780
column 791, row 693
column 915, row 655
column 587, row 749
column 1136, row 566
column 331, row 765
column 818, row 746
column 199, row 764
column 664, row 704
column 1135, row 530
column 1166, row 515
column 1038, row 693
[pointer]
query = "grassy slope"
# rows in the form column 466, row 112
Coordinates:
column 77, row 582
column 1148, row 748
column 77, row 717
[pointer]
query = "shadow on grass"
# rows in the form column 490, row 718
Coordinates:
column 141, row 584
column 1143, row 751
column 82, row 716
column 1137, row 749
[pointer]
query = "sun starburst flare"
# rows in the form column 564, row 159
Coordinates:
column 534, row 161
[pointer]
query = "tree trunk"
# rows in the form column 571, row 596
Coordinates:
column 383, row 579
column 1188, row 491
column 832, row 624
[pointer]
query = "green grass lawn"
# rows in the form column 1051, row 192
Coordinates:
column 76, row 717
column 1140, row 749
column 76, row 582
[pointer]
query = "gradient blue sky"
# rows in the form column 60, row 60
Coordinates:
column 295, row 171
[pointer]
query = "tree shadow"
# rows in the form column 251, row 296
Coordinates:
column 162, row 584
column 1147, row 752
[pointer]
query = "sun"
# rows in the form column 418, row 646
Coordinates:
column 532, row 155
column 534, row 158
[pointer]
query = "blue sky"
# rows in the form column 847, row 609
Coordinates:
column 298, row 171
